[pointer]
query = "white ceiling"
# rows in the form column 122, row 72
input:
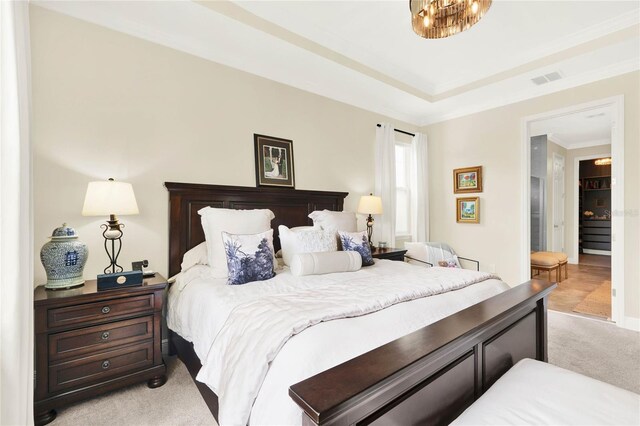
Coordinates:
column 578, row 130
column 364, row 53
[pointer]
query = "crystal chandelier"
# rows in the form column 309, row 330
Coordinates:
column 444, row 18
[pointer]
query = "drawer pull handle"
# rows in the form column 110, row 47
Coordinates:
column 106, row 310
column 106, row 364
column 105, row 335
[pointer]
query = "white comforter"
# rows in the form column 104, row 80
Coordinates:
column 200, row 310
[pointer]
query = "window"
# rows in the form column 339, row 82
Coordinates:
column 403, row 189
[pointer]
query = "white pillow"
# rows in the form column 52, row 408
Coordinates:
column 216, row 221
column 195, row 256
column 334, row 221
column 325, row 263
column 305, row 241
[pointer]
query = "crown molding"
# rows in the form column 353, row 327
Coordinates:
column 588, row 144
column 609, row 71
column 99, row 15
column 577, row 145
column 557, row 140
column 586, row 35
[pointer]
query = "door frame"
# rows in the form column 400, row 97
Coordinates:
column 553, row 197
column 576, row 203
column 616, row 103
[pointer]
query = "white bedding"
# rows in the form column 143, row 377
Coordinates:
column 199, row 306
column 536, row 393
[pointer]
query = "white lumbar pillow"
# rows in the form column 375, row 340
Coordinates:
column 216, row 221
column 325, row 263
column 335, row 221
column 305, row 240
column 195, row 256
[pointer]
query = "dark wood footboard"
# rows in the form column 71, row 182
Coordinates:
column 432, row 375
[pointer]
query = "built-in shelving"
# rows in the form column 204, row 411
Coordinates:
column 594, row 194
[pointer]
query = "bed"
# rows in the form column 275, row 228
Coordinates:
column 424, row 360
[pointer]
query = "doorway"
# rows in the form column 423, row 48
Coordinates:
column 586, row 132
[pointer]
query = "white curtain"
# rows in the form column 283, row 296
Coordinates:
column 16, row 240
column 419, row 189
column 385, row 225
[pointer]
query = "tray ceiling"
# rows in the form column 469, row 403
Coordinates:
column 365, row 53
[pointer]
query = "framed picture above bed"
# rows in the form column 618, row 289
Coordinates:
column 468, row 179
column 468, row 210
column 274, row 161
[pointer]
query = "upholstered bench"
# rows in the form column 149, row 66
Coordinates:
column 563, row 260
column 544, row 262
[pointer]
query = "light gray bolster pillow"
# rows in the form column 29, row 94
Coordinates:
column 325, row 262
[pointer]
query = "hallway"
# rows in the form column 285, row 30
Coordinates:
column 587, row 291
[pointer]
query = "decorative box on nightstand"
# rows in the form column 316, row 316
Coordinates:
column 88, row 342
column 388, row 253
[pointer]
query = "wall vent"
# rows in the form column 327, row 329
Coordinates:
column 546, row 78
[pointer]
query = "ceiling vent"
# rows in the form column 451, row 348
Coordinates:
column 547, row 78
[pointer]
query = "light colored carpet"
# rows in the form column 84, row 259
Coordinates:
column 594, row 348
column 597, row 303
column 176, row 403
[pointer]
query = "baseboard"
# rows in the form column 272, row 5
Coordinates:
column 573, row 261
column 631, row 323
column 599, row 252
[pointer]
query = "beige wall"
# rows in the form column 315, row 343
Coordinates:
column 493, row 139
column 552, row 148
column 109, row 105
column 571, row 186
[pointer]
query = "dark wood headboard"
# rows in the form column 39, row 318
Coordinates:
column 290, row 206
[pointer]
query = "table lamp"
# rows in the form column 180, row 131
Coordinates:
column 110, row 198
column 370, row 204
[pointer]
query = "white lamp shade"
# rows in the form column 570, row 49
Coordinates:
column 105, row 198
column 370, row 204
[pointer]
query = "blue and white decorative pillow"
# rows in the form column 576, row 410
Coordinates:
column 249, row 257
column 357, row 241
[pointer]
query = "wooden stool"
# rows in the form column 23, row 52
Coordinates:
column 544, row 262
column 563, row 260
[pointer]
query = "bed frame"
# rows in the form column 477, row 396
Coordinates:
column 427, row 377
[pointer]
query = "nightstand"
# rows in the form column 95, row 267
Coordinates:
column 388, row 253
column 88, row 342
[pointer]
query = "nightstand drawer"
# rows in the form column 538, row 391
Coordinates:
column 99, row 367
column 78, row 342
column 93, row 313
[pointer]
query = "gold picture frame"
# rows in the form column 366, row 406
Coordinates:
column 467, row 179
column 468, row 210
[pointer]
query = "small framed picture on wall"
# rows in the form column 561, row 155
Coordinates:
column 468, row 210
column 468, row 179
column 274, row 161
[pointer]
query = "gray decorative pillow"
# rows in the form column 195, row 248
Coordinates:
column 357, row 241
column 249, row 257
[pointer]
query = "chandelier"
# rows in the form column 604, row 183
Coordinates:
column 444, row 18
